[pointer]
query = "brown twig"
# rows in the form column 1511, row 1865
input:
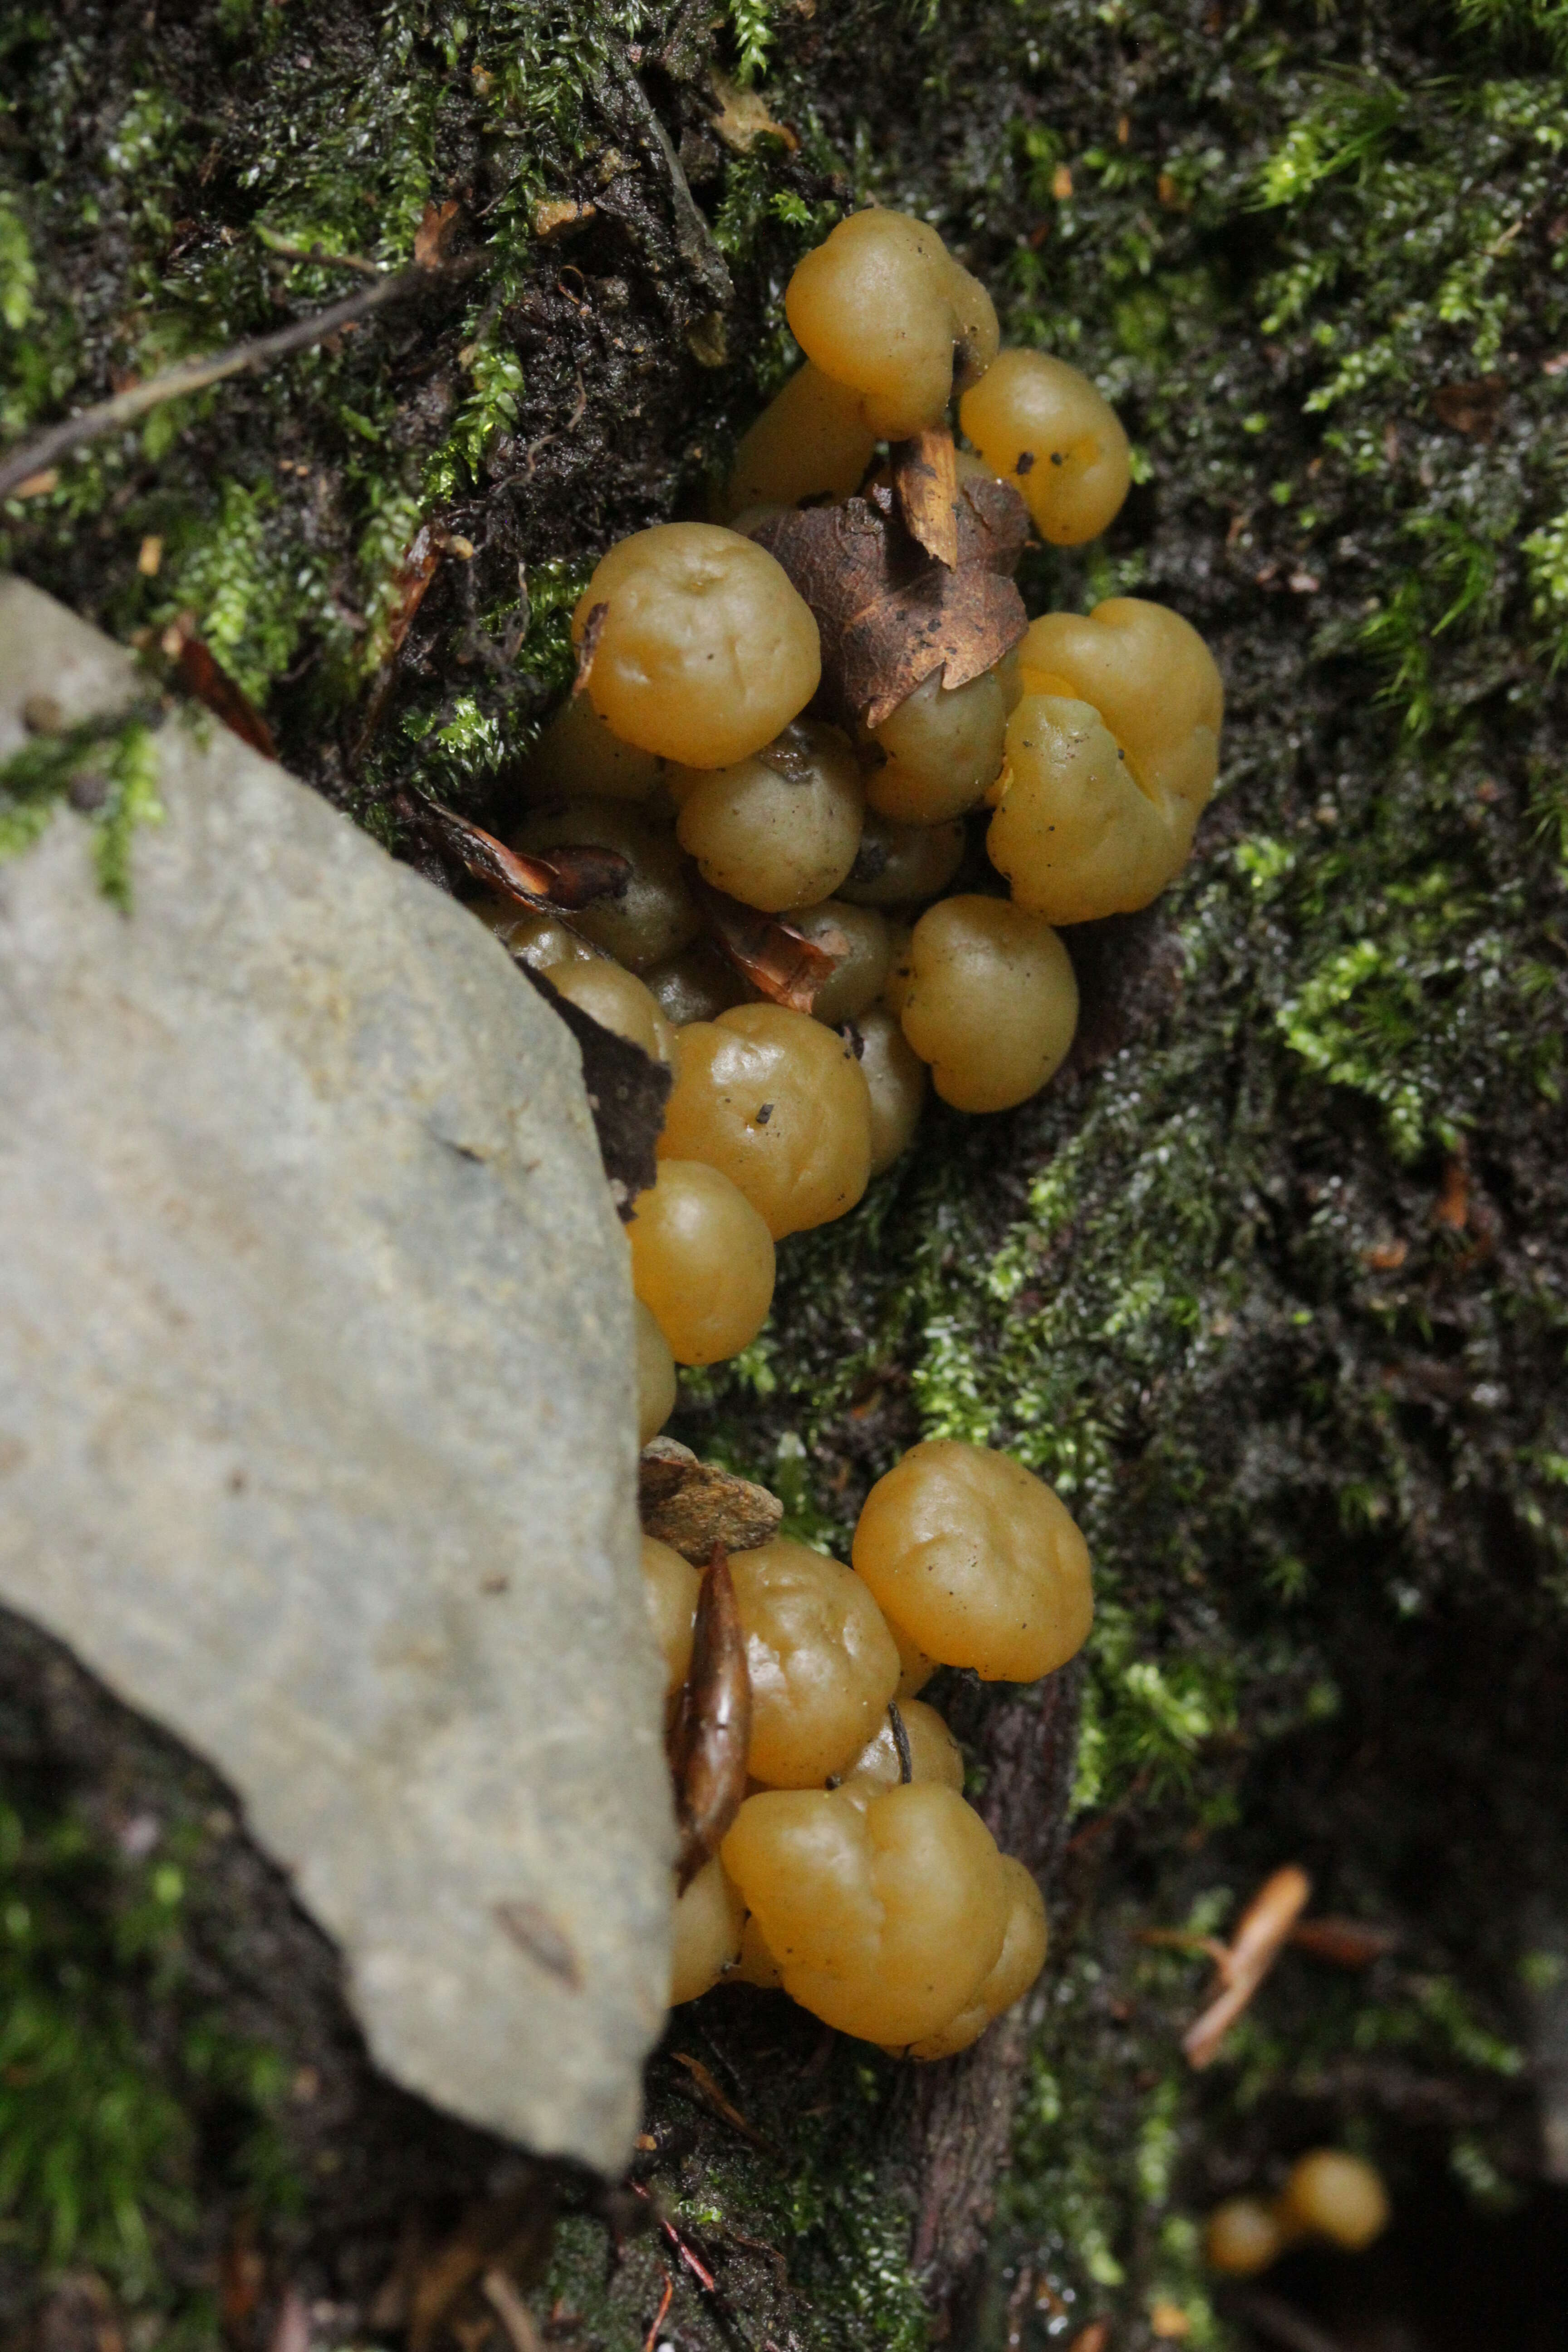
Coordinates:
column 195, row 375
column 715, row 2098
column 513, row 2311
column 666, row 2299
column 1261, row 1937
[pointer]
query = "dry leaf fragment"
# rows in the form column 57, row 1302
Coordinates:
column 433, row 233
column 692, row 1505
column 767, row 951
column 569, row 876
column 925, row 480
column 588, row 646
column 889, row 612
column 1470, row 408
column 204, row 682
column 743, row 118
column 714, row 1727
column 1260, row 1936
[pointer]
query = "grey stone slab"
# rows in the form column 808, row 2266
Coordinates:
column 317, row 1440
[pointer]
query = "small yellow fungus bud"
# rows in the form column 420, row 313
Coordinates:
column 670, row 1587
column 884, row 1918
column 780, row 829
column 1044, row 428
column 1242, row 2237
column 883, row 308
column 779, row 1103
column 540, row 940
column 1329, row 2194
column 655, row 915
column 708, row 1919
column 895, row 1080
column 578, row 754
column 943, row 750
column 617, row 1000
column 656, row 1374
column 705, row 650
column 915, row 1668
column 811, row 441
column 695, row 985
column 861, row 940
column 702, row 1262
column 1019, row 1962
column 823, row 1664
column 990, row 1001
column 897, row 863
column 934, row 1754
column 976, row 1561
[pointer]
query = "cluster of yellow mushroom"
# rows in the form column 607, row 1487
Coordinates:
column 691, row 749
column 855, row 1875
column 1328, row 2194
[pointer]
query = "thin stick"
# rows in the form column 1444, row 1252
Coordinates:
column 902, row 1742
column 514, row 2315
column 195, row 375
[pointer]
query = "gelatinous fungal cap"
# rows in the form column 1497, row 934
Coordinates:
column 693, row 644
column 1043, row 427
column 977, row 1560
column 882, row 307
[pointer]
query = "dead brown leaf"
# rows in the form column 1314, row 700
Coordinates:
column 588, row 644
column 692, row 1505
column 434, row 234
column 767, row 951
column 1344, row 1943
column 1260, row 1936
column 888, row 612
column 925, row 480
column 707, row 1748
column 566, row 878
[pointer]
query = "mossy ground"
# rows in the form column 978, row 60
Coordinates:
column 1273, row 1285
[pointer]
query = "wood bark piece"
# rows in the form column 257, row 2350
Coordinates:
column 692, row 1505
column 316, row 1403
column 889, row 612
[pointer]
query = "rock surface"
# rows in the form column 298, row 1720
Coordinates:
column 316, row 1417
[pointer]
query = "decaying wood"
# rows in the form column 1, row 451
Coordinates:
column 958, row 2115
column 692, row 1505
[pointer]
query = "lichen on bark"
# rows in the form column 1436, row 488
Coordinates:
column 1271, row 1282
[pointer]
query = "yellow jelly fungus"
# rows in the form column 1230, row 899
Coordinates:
column 915, row 1667
column 976, row 1561
column 1111, row 759
column 707, row 1937
column 882, row 308
column 1242, row 2237
column 756, row 1965
column 823, row 1664
column 540, row 940
column 702, row 1262
column 942, row 750
column 578, row 754
column 1019, row 1962
column 1044, row 428
column 617, row 1000
column 990, row 1001
column 811, row 441
column 884, row 1918
column 656, row 1374
column 704, row 651
column 655, row 915
column 779, row 1104
column 860, row 940
column 1330, row 2194
column 895, row 1080
column 934, row 1754
column 670, row 1587
column 897, row 863
column 780, row 829
column 695, row 985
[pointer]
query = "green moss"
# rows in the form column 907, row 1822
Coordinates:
column 121, row 757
